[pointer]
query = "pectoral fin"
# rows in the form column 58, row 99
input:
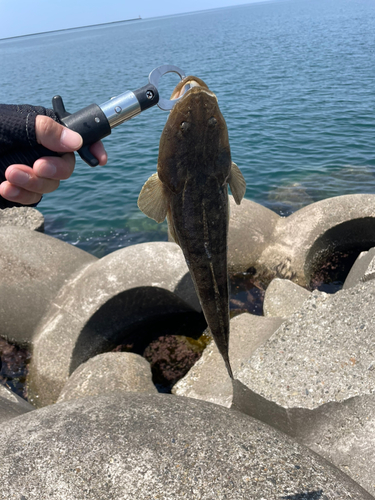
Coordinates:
column 237, row 183
column 152, row 199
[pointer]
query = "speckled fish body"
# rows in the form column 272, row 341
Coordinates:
column 191, row 189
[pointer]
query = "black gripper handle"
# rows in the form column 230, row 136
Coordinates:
column 90, row 122
column 147, row 96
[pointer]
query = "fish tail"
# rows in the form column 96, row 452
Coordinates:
column 229, row 368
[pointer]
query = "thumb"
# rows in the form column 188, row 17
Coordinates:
column 56, row 137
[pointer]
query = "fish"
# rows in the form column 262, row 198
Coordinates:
column 190, row 189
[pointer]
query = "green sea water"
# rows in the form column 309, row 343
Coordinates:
column 295, row 80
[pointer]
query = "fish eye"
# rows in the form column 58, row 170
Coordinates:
column 212, row 121
column 184, row 126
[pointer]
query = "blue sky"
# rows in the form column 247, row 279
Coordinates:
column 21, row 17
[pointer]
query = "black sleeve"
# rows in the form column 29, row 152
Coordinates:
column 17, row 126
column 18, row 142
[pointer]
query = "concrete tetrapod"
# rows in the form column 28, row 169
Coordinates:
column 344, row 434
column 305, row 239
column 120, row 297
column 251, row 228
column 34, row 267
column 362, row 270
column 303, row 377
column 311, row 376
column 12, row 405
column 208, row 379
column 109, row 372
column 131, row 446
column 283, row 298
column 26, row 217
column 294, row 247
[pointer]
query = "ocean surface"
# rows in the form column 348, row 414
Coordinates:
column 295, row 80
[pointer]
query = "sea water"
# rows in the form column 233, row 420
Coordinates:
column 295, row 81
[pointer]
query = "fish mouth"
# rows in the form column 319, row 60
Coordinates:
column 187, row 84
column 190, row 84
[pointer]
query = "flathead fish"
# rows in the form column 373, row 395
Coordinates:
column 190, row 188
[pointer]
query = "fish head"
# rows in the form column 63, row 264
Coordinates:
column 195, row 138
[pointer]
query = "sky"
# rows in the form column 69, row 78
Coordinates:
column 22, row 17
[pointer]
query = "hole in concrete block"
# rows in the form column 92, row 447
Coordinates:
column 246, row 293
column 14, row 362
column 161, row 328
column 334, row 253
column 330, row 276
column 172, row 356
column 135, row 319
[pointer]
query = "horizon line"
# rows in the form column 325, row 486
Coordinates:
column 176, row 14
column 70, row 29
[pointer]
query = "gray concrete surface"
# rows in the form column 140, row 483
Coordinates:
column 109, row 372
column 12, row 405
column 344, row 434
column 26, row 217
column 208, row 379
column 34, row 267
column 314, row 379
column 111, row 300
column 322, row 353
column 283, row 298
column 251, row 228
column 362, row 270
column 130, row 446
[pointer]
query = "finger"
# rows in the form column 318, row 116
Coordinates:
column 97, row 149
column 22, row 176
column 18, row 195
column 56, row 137
column 55, row 167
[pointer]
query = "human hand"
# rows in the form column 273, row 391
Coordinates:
column 26, row 185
